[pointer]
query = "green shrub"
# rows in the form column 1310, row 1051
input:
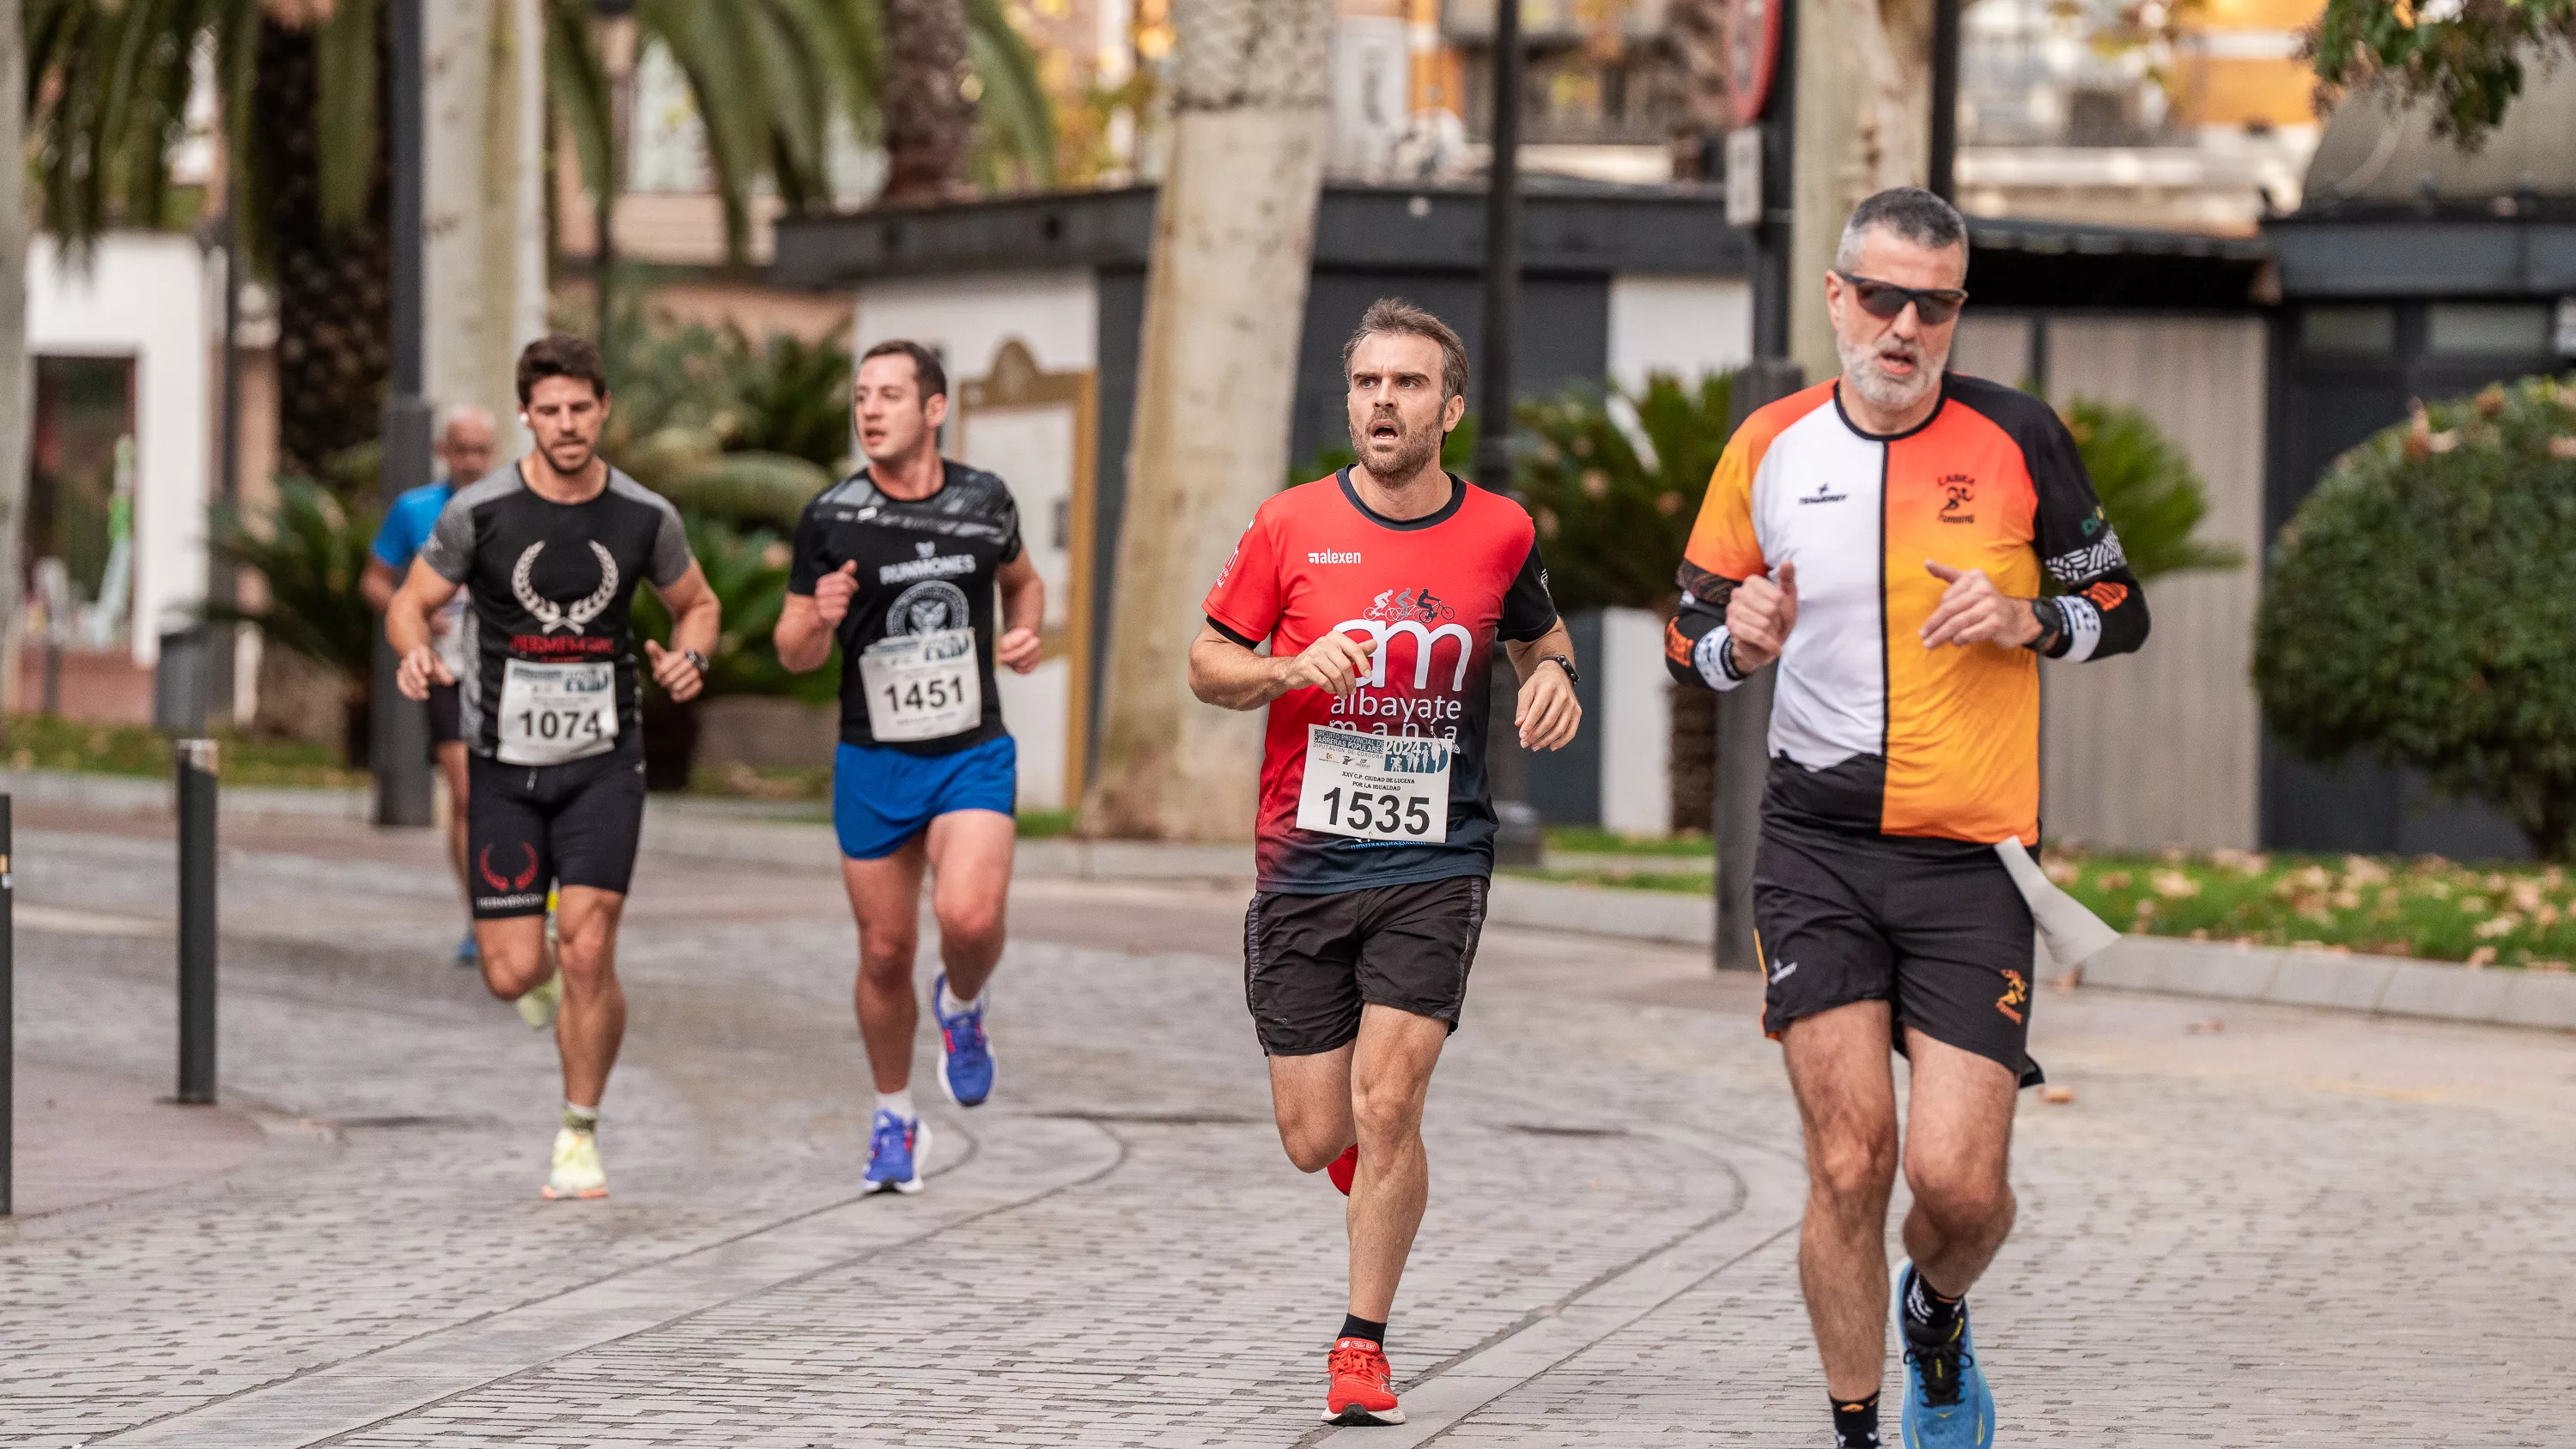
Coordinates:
column 748, row 571
column 309, row 547
column 1613, row 516
column 2149, row 490
column 2420, row 607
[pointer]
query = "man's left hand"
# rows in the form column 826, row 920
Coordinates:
column 1548, row 711
column 1973, row 611
column 1017, row 649
column 673, row 671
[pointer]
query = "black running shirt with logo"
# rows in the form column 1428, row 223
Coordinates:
column 551, row 589
column 917, row 644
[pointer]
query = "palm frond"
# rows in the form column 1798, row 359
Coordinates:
column 1015, row 122
column 309, row 553
column 348, row 68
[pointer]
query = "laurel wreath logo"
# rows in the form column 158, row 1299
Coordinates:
column 555, row 616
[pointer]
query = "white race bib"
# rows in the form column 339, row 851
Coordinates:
column 1375, row 787
column 922, row 686
column 551, row 713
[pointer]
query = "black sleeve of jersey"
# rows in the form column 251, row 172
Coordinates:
column 1528, row 610
column 1009, row 519
column 1703, row 608
column 806, row 563
column 2104, row 609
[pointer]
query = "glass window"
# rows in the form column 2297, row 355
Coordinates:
column 2366, row 330
column 2486, row 329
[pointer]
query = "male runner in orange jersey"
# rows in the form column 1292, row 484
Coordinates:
column 1882, row 537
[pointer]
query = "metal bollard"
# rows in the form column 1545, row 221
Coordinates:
column 8, row 1013
column 196, row 767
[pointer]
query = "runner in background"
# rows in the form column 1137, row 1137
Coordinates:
column 1381, row 592
column 465, row 446
column 549, row 555
column 899, row 564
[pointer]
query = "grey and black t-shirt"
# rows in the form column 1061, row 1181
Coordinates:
column 552, row 584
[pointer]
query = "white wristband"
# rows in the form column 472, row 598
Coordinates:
column 1709, row 657
column 2083, row 626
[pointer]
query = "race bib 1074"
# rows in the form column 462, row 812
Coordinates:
column 1375, row 787
column 551, row 713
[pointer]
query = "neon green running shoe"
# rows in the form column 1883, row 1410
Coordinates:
column 577, row 1173
column 543, row 1000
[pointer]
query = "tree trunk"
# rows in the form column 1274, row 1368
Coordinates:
column 486, row 214
column 1225, row 303
column 334, row 296
column 14, row 388
column 1864, row 118
column 929, row 123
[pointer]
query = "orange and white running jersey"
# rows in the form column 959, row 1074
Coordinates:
column 1893, row 736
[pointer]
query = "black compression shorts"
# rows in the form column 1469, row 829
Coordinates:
column 446, row 716
column 1311, row 962
column 528, row 828
column 1936, row 928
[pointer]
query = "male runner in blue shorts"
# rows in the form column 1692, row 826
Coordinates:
column 900, row 563
column 465, row 446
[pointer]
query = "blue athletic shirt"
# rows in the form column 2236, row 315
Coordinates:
column 408, row 523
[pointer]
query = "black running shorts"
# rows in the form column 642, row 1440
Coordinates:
column 446, row 716
column 1934, row 927
column 1311, row 962
column 528, row 828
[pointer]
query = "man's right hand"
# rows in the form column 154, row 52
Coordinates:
column 832, row 594
column 1760, row 615
column 1332, row 664
column 420, row 669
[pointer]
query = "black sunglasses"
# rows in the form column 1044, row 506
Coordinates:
column 1935, row 305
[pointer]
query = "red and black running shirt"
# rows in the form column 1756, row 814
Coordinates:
column 1434, row 593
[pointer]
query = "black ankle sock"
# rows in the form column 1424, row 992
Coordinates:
column 1929, row 1317
column 1354, row 1326
column 1856, row 1423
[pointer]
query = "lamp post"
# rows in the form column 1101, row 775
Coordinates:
column 1517, row 840
column 400, row 734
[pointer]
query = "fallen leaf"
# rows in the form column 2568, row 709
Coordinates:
column 2481, row 958
column 2057, row 1096
column 2072, row 978
column 2208, row 1026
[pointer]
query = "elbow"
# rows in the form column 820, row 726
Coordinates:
column 1679, row 643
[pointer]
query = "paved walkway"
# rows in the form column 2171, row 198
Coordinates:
column 2303, row 1228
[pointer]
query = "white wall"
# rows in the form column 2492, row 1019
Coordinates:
column 145, row 295
column 1684, row 325
column 1635, row 724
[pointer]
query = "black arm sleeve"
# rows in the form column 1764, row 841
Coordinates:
column 1703, row 608
column 2104, row 609
column 1529, row 611
column 806, row 563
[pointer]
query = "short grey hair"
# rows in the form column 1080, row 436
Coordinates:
column 1912, row 214
column 454, row 413
column 1395, row 315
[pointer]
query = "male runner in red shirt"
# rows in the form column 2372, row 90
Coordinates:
column 1381, row 591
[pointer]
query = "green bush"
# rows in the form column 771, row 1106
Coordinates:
column 1613, row 515
column 2149, row 490
column 748, row 571
column 310, row 547
column 2420, row 607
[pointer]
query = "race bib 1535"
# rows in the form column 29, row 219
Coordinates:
column 1375, row 787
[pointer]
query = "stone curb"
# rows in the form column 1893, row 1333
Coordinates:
column 2378, row 985
column 143, row 794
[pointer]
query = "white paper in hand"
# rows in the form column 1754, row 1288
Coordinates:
column 2072, row 934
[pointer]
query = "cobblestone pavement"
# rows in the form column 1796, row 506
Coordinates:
column 2299, row 1228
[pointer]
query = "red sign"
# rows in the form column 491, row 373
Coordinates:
column 1752, row 55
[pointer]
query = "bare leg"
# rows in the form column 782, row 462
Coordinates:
column 513, row 955
column 1838, row 1067
column 970, row 860
column 1311, row 1098
column 885, row 895
column 451, row 768
column 1390, row 1077
column 592, row 1024
column 1958, row 1144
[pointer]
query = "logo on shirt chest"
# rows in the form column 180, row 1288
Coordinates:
column 1824, row 494
column 1958, row 498
column 927, row 562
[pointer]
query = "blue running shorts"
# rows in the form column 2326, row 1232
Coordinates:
column 883, row 797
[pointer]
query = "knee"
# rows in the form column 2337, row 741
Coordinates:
column 977, row 926
column 1958, row 1195
column 584, row 959
column 1312, row 1140
column 1386, row 1116
column 1852, row 1174
column 509, row 971
column 885, row 959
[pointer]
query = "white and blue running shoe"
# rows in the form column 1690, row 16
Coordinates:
column 897, row 1151
column 965, row 1055
column 1947, row 1404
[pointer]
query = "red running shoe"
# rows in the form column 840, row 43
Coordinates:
column 1360, row 1392
column 1344, row 1168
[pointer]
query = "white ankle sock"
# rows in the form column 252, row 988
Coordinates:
column 949, row 1005
column 899, row 1103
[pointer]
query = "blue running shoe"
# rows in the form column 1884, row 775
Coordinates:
column 1947, row 1404
column 897, row 1151
column 965, row 1056
column 466, row 955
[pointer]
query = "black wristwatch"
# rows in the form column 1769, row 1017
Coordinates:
column 1572, row 675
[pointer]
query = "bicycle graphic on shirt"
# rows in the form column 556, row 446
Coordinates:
column 1397, row 606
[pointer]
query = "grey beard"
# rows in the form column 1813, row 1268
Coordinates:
column 1860, row 364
